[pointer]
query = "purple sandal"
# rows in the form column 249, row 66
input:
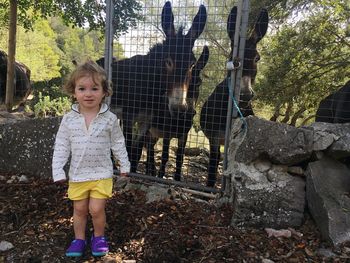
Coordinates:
column 76, row 248
column 99, row 246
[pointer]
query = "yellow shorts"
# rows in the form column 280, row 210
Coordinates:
column 101, row 189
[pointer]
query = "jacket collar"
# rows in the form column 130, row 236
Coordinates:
column 104, row 108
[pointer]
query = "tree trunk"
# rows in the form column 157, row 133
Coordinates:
column 11, row 56
column 288, row 111
column 297, row 115
column 276, row 113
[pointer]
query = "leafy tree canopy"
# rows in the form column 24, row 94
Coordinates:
column 304, row 60
column 49, row 49
column 89, row 13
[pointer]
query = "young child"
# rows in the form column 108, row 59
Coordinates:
column 88, row 133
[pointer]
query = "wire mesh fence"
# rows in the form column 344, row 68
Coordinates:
column 163, row 90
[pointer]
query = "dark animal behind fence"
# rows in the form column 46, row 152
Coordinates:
column 22, row 86
column 335, row 108
column 214, row 111
column 167, row 126
column 144, row 82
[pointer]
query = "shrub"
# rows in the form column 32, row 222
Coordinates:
column 49, row 102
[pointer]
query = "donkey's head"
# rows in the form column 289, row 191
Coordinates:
column 176, row 57
column 251, row 55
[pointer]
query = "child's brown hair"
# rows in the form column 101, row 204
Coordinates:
column 89, row 68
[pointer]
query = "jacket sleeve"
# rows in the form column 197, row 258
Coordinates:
column 61, row 152
column 118, row 147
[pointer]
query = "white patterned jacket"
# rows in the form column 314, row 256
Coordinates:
column 90, row 149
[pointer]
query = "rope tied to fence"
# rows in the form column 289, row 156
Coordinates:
column 234, row 65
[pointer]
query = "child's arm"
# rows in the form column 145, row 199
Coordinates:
column 61, row 152
column 119, row 149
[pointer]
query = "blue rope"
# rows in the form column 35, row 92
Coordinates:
column 235, row 104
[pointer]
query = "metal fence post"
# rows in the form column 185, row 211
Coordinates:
column 236, row 75
column 109, row 32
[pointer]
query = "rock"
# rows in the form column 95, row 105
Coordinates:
column 278, row 233
column 327, row 188
column 273, row 198
column 121, row 182
column 29, row 145
column 23, row 179
column 262, row 165
column 13, row 117
column 327, row 253
column 266, row 260
column 276, row 142
column 5, row 245
column 332, row 138
column 157, row 193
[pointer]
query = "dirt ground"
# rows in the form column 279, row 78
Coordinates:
column 35, row 217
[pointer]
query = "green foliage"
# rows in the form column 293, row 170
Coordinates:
column 49, row 49
column 305, row 61
column 37, row 49
column 4, row 14
column 49, row 102
column 75, row 13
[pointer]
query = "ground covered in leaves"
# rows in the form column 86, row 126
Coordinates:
column 35, row 217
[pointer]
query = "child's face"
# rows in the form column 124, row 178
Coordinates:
column 88, row 94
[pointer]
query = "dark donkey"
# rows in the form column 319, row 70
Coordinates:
column 167, row 125
column 335, row 108
column 144, row 83
column 214, row 111
column 22, row 87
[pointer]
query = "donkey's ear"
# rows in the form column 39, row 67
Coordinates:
column 168, row 20
column 198, row 24
column 260, row 26
column 231, row 23
column 203, row 59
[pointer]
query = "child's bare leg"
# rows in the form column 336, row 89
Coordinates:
column 80, row 217
column 98, row 214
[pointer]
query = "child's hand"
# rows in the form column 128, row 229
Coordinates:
column 124, row 174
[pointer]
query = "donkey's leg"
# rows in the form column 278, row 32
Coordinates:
column 136, row 152
column 137, row 145
column 127, row 131
column 181, row 144
column 165, row 156
column 150, row 164
column 214, row 158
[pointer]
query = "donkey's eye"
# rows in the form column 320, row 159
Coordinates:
column 257, row 58
column 169, row 64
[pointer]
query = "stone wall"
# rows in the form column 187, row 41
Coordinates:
column 26, row 146
column 278, row 172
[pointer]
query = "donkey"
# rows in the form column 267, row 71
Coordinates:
column 167, row 126
column 335, row 108
column 143, row 81
column 214, row 111
column 22, row 86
